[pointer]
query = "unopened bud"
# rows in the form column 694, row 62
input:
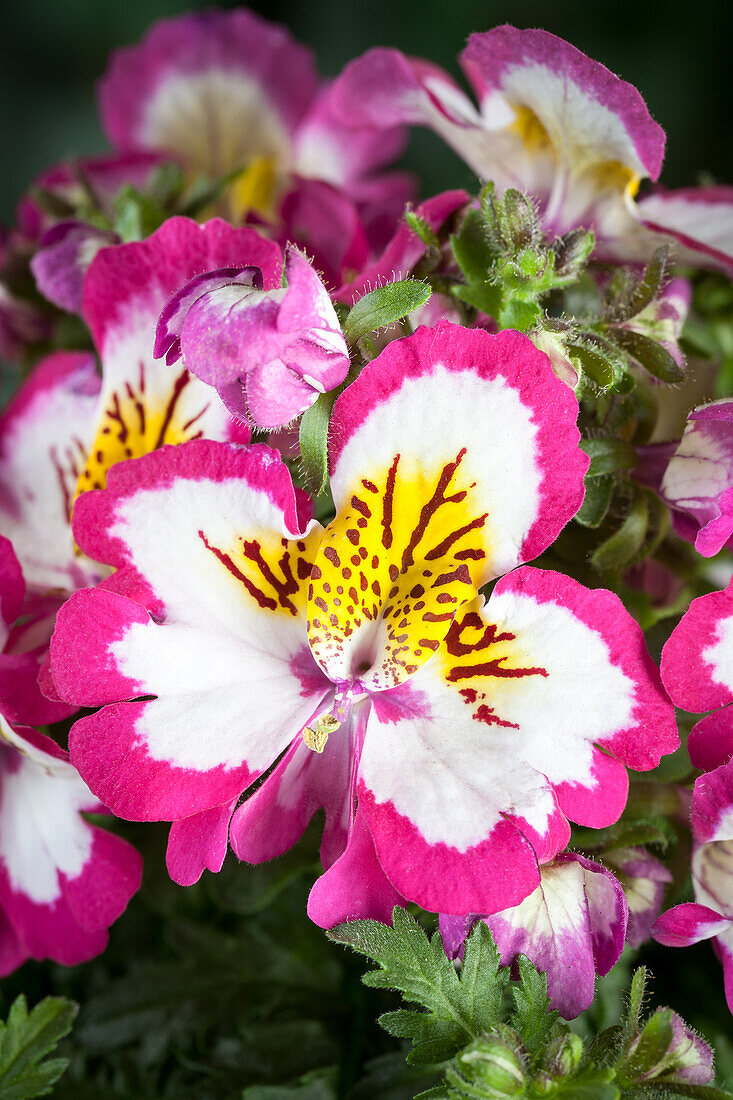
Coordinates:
column 494, row 1066
column 573, row 251
column 563, row 1055
column 519, row 221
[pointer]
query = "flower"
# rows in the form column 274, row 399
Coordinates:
column 62, row 881
column 710, row 916
column 556, row 124
column 572, row 927
column 695, row 477
column 697, row 671
column 65, row 426
column 448, row 739
column 268, row 353
column 229, row 92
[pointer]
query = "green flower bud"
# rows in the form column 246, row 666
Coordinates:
column 563, row 1055
column 493, row 1065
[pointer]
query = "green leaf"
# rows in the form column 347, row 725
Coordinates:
column 649, row 1049
column 632, row 1017
column 533, row 1018
column 589, row 1084
column 136, row 215
column 384, row 306
column 597, row 501
column 646, row 291
column 608, row 455
column 457, row 1009
column 482, row 296
column 314, row 442
column 519, row 315
column 472, row 249
column 320, row 1084
column 25, row 1039
column 593, row 362
column 205, row 191
column 621, row 547
column 650, row 353
column 421, row 228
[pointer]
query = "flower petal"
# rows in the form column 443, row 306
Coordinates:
column 689, row 923
column 355, row 887
column 700, row 219
column 198, row 843
column 459, row 445
column 712, row 805
column 46, row 431
column 206, row 536
column 143, row 403
column 697, row 661
column 710, row 743
column 572, row 926
column 62, row 881
column 590, row 115
column 231, row 74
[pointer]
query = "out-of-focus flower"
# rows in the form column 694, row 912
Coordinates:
column 66, row 251
column 62, row 881
column 268, row 353
column 556, row 124
column 572, row 926
column 404, row 250
column 469, row 732
column 643, row 878
column 230, row 93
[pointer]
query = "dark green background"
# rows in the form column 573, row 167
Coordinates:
column 678, row 54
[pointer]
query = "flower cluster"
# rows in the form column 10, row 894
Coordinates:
column 267, row 523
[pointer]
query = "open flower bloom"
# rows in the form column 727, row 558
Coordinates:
column 695, row 477
column 697, row 671
column 710, row 916
column 229, row 92
column 572, row 926
column 551, row 122
column 359, row 660
column 66, row 426
column 268, row 353
column 62, row 881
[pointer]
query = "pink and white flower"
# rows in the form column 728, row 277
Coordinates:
column 62, row 881
column 469, row 733
column 695, row 477
column 554, row 123
column 697, row 671
column 65, row 427
column 572, row 926
column 268, row 353
column 710, row 916
column 227, row 92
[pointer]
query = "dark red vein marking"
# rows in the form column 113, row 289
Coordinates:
column 387, row 504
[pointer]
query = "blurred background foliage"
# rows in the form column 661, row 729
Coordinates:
column 678, row 55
